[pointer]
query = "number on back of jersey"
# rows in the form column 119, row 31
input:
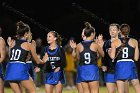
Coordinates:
column 15, row 55
column 87, row 58
column 125, row 52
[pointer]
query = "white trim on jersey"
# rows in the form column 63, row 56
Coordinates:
column 29, row 62
column 17, row 62
column 126, row 60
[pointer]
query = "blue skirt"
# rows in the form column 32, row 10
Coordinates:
column 125, row 70
column 16, row 71
column 109, row 78
column 89, row 73
column 30, row 68
column 78, row 79
column 54, row 77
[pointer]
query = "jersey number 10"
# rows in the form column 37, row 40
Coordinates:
column 15, row 54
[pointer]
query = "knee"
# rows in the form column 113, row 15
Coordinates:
column 135, row 82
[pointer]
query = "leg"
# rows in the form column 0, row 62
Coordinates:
column 15, row 87
column 1, row 86
column 126, row 90
column 136, row 85
column 29, row 85
column 94, row 86
column 26, row 90
column 68, row 77
column 58, row 88
column 120, row 86
column 79, row 88
column 85, row 87
column 111, row 87
column 49, row 88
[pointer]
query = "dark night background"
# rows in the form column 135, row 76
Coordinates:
column 68, row 16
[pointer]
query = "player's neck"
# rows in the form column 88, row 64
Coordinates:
column 88, row 39
column 53, row 46
column 113, row 38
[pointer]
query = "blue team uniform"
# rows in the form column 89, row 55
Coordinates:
column 78, row 79
column 30, row 67
column 56, row 59
column 88, row 69
column 125, row 68
column 109, row 75
column 16, row 69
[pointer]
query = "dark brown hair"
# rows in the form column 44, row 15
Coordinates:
column 88, row 30
column 22, row 28
column 125, row 33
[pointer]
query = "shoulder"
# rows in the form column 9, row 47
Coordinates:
column 79, row 44
column 45, row 48
column 94, row 44
column 29, row 44
column 132, row 40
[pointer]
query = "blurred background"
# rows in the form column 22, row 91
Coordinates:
column 68, row 16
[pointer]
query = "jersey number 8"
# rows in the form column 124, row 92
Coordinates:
column 125, row 52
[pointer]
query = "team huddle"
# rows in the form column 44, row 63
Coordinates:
column 118, row 54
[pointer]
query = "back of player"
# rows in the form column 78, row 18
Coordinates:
column 88, row 63
column 125, row 62
column 85, row 52
column 125, row 52
column 17, row 66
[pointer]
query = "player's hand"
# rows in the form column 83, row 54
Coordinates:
column 100, row 40
column 104, row 68
column 57, row 69
column 10, row 41
column 37, row 69
column 73, row 44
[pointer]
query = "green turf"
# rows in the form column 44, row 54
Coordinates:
column 41, row 90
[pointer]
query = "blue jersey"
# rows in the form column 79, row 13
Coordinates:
column 87, row 56
column 127, row 51
column 17, row 53
column 88, row 69
column 16, row 69
column 106, row 60
column 56, row 59
column 125, row 68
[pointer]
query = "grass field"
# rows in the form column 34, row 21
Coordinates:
column 41, row 90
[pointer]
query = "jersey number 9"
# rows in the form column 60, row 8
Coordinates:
column 87, row 58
